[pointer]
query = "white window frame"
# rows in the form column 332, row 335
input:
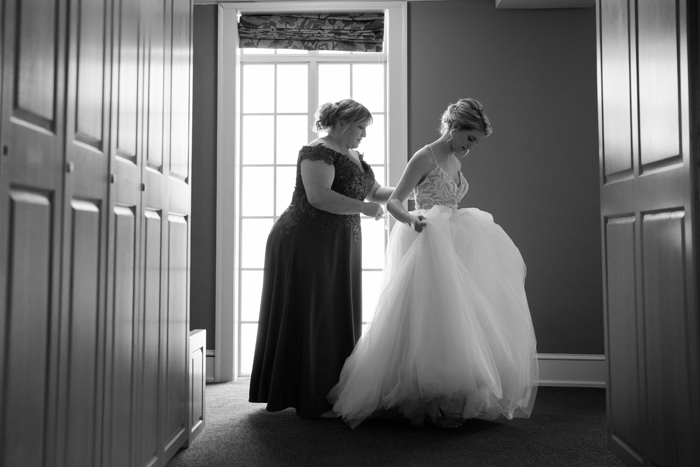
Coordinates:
column 229, row 72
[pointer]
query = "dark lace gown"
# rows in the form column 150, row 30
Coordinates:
column 311, row 306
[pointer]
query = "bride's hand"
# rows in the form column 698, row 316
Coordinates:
column 417, row 223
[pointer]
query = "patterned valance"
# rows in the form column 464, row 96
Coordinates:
column 361, row 32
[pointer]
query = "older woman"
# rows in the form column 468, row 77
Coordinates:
column 311, row 307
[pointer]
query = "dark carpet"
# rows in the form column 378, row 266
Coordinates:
column 567, row 428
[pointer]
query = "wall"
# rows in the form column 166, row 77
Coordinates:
column 535, row 73
column 203, row 278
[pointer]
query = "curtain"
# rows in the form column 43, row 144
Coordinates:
column 361, row 32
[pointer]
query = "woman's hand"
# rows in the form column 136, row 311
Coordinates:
column 417, row 223
column 372, row 209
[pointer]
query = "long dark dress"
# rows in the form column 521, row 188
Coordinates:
column 311, row 306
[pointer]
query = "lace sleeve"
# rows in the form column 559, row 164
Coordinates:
column 317, row 153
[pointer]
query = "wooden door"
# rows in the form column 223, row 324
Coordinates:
column 647, row 69
column 86, row 209
column 149, row 447
column 125, row 215
column 32, row 167
column 177, row 172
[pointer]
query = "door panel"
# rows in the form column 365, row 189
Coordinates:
column 156, row 84
column 153, row 303
column 128, row 50
column 83, row 327
column 123, row 331
column 625, row 412
column 177, row 377
column 27, row 327
column 36, row 62
column 658, row 81
column 648, row 216
column 92, row 67
column 667, row 335
column 616, row 89
column 180, row 132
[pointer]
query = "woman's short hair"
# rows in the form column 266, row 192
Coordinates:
column 347, row 110
column 466, row 114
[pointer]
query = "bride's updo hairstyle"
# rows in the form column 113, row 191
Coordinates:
column 349, row 111
column 467, row 114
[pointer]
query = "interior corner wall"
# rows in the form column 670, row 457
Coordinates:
column 203, row 256
column 537, row 174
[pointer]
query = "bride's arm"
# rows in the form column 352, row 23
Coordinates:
column 418, row 167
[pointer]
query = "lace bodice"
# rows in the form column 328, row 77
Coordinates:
column 439, row 188
column 350, row 181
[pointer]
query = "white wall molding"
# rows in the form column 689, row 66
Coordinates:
column 572, row 370
column 226, row 200
column 211, row 361
column 564, row 370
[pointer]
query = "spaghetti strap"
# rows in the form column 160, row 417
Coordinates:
column 431, row 152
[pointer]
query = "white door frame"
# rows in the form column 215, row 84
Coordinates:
column 226, row 335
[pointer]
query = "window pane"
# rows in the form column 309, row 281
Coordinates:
column 292, row 134
column 368, row 85
column 333, row 82
column 257, row 184
column 292, row 88
column 251, row 290
column 286, row 179
column 249, row 332
column 257, row 146
column 379, row 172
column 373, row 243
column 259, row 95
column 373, row 146
column 254, row 234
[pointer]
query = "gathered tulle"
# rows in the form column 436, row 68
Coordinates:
column 452, row 330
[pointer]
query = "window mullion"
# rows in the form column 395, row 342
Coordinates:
column 274, row 149
column 312, row 96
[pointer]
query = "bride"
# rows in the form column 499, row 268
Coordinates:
column 452, row 336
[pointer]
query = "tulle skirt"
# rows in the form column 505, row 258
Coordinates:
column 452, row 331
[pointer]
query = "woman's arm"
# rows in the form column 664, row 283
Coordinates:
column 418, row 167
column 379, row 193
column 317, row 177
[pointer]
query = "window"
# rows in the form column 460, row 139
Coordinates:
column 267, row 99
column 280, row 93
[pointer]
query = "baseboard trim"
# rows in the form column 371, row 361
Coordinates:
column 566, row 370
column 210, row 366
column 572, row 370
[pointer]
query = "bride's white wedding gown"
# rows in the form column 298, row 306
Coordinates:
column 452, row 330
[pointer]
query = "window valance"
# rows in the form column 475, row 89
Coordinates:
column 356, row 32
